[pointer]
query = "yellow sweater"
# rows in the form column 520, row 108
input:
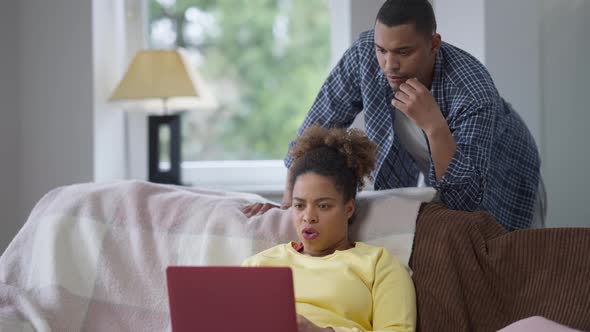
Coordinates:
column 360, row 289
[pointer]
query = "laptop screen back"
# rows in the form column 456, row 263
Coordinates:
column 207, row 298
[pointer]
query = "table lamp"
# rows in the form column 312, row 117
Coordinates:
column 159, row 74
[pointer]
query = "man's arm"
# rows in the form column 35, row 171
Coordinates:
column 442, row 149
column 418, row 104
column 462, row 186
column 460, row 153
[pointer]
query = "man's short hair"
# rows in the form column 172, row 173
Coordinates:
column 419, row 12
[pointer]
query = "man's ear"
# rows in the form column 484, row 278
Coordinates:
column 435, row 43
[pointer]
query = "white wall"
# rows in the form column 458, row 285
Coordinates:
column 59, row 62
column 55, row 96
column 565, row 72
column 513, row 57
column 9, row 122
column 461, row 23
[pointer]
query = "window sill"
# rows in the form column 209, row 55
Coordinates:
column 263, row 177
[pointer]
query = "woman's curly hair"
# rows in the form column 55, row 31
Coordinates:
column 346, row 155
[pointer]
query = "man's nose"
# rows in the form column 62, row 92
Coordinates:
column 392, row 63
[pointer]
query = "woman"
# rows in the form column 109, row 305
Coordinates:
column 340, row 285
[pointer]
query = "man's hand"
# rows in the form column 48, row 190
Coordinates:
column 304, row 325
column 258, row 209
column 287, row 200
column 418, row 104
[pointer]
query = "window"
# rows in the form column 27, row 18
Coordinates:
column 263, row 61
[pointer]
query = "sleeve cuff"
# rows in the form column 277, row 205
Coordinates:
column 462, row 185
column 459, row 172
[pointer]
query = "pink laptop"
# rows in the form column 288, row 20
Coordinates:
column 209, row 298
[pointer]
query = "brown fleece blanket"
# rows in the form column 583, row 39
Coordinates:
column 472, row 275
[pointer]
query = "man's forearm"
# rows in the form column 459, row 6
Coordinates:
column 442, row 147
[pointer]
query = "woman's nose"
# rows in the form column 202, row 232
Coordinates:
column 309, row 217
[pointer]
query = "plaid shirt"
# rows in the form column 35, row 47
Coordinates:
column 496, row 164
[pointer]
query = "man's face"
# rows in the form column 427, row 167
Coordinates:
column 404, row 53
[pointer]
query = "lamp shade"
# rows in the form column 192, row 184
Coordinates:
column 159, row 74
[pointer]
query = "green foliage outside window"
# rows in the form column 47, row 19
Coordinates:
column 264, row 61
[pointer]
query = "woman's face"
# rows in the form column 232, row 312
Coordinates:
column 320, row 214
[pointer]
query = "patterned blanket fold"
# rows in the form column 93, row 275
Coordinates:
column 471, row 275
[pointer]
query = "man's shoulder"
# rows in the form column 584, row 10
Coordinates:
column 367, row 35
column 454, row 55
column 365, row 40
column 465, row 74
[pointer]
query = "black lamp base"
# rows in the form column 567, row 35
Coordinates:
column 157, row 174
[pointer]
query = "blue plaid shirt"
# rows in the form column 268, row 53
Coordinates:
column 496, row 165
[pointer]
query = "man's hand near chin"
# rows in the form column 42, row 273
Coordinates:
column 418, row 104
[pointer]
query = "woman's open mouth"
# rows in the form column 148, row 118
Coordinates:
column 309, row 233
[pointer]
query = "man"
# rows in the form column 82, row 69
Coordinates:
column 431, row 108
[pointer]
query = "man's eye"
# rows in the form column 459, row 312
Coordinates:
column 298, row 206
column 324, row 206
column 380, row 50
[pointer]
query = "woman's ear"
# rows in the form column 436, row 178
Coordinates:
column 350, row 207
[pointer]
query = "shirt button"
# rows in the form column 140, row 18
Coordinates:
column 390, row 138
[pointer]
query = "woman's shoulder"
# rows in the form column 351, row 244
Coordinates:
column 369, row 248
column 275, row 252
column 380, row 254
